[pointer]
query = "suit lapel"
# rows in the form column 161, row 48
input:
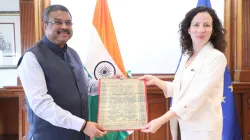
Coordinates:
column 189, row 77
column 177, row 78
column 195, row 67
column 179, row 73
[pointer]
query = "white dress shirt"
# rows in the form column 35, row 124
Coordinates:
column 42, row 104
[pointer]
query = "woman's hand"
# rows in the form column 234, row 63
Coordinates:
column 152, row 126
column 150, row 79
column 116, row 76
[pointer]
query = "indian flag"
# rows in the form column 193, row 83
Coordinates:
column 103, row 59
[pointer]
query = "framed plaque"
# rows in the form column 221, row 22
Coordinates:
column 122, row 104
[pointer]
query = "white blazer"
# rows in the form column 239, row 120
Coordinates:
column 197, row 98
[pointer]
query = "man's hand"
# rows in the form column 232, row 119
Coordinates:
column 94, row 130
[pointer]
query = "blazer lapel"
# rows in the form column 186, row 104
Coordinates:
column 195, row 67
column 177, row 79
column 179, row 73
column 189, row 77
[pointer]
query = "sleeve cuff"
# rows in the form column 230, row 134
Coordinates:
column 181, row 111
column 77, row 123
column 169, row 92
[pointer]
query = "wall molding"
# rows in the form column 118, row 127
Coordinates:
column 9, row 13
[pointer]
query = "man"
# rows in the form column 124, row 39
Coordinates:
column 55, row 84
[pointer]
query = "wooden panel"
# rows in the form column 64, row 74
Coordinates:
column 238, row 40
column 27, row 23
column 246, row 33
column 31, row 22
column 39, row 5
column 242, row 97
column 157, row 107
column 11, row 103
column 244, row 75
column 228, row 23
column 8, row 116
column 25, row 127
column 242, row 63
column 23, row 122
column 239, row 108
column 27, row 26
column 246, row 116
column 8, row 137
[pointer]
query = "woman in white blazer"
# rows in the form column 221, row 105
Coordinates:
column 197, row 88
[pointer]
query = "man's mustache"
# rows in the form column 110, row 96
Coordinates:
column 63, row 31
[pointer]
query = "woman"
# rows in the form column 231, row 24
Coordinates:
column 197, row 88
